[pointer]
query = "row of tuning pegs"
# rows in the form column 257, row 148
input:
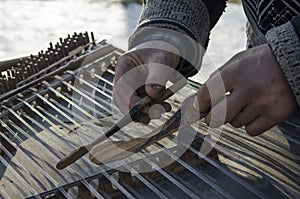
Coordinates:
column 31, row 65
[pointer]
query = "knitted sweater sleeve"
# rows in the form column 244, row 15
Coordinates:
column 184, row 23
column 285, row 43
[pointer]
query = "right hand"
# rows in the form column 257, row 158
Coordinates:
column 144, row 71
column 249, row 90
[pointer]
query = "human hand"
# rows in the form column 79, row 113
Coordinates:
column 144, row 71
column 253, row 93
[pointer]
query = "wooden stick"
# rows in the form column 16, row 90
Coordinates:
column 132, row 115
column 117, row 150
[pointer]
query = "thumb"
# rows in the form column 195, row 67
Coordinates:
column 158, row 76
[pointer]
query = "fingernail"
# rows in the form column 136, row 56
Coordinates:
column 196, row 103
column 157, row 87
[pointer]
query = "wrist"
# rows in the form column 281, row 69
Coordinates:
column 158, row 45
column 285, row 45
column 189, row 50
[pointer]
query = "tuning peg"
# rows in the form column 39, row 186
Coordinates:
column 3, row 83
column 18, row 76
column 93, row 38
column 86, row 34
column 51, row 45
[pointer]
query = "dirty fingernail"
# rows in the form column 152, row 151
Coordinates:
column 157, row 87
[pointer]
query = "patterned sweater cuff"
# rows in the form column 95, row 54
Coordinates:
column 285, row 44
column 190, row 16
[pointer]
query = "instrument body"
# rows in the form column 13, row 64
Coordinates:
column 46, row 116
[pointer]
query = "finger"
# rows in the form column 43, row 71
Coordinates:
column 216, row 117
column 157, row 110
column 128, row 79
column 167, row 107
column 214, row 90
column 144, row 112
column 154, row 112
column 124, row 96
column 144, row 119
column 158, row 76
column 124, row 64
column 247, row 115
column 141, row 91
column 225, row 110
column 258, row 126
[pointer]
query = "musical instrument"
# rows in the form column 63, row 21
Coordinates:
column 55, row 101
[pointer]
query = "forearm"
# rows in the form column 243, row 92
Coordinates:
column 184, row 23
column 285, row 43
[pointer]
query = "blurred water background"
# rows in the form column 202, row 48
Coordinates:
column 28, row 26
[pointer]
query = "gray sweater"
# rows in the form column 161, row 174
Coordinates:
column 274, row 22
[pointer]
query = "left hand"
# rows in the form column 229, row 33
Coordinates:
column 255, row 93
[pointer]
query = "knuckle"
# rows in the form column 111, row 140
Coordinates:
column 165, row 58
column 129, row 57
column 158, row 57
column 122, row 59
column 121, row 66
